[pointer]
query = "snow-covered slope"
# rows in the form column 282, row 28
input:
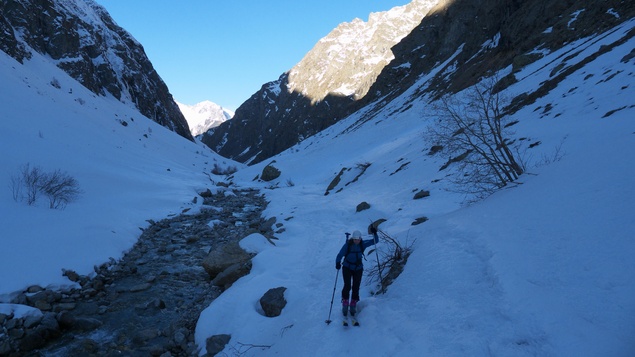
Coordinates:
column 204, row 116
column 80, row 37
column 129, row 168
column 542, row 269
column 545, row 268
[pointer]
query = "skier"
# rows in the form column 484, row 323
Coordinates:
column 353, row 268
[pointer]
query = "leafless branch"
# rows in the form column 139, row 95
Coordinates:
column 473, row 131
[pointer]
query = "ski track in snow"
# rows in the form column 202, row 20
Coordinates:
column 472, row 301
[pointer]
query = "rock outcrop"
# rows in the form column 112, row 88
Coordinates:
column 454, row 50
column 319, row 90
column 273, row 301
column 82, row 39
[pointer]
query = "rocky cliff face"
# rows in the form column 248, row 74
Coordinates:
column 460, row 41
column 84, row 41
column 319, row 90
column 348, row 60
column 455, row 44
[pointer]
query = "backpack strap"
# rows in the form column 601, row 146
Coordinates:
column 348, row 250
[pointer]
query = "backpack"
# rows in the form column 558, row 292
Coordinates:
column 348, row 250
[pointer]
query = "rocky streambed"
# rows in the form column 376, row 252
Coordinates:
column 148, row 303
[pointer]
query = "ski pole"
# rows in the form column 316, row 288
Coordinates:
column 381, row 279
column 328, row 321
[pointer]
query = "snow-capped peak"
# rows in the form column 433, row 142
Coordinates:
column 347, row 60
column 204, row 115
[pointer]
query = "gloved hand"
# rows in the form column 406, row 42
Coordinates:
column 338, row 265
column 372, row 229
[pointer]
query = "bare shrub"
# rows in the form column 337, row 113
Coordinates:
column 392, row 258
column 220, row 170
column 557, row 155
column 474, row 133
column 30, row 178
column 15, row 184
column 60, row 188
column 31, row 182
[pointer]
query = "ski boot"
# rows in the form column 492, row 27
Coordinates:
column 345, row 307
column 353, row 307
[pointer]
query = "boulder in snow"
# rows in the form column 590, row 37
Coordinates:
column 273, row 301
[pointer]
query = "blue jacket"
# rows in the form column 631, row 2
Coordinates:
column 353, row 256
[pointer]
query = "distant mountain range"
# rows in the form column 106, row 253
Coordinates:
column 204, row 116
column 357, row 64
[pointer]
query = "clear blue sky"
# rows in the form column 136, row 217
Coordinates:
column 225, row 50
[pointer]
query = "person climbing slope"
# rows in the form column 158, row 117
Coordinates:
column 352, row 267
